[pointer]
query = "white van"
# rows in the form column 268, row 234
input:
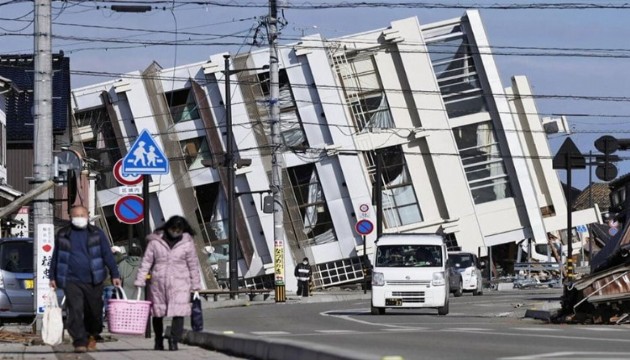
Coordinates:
column 410, row 272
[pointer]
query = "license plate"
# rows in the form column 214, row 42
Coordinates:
column 28, row 284
column 393, row 302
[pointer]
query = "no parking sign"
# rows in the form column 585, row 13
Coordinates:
column 129, row 209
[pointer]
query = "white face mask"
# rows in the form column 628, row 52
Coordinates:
column 80, row 222
column 305, row 262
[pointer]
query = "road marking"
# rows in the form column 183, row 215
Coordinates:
column 465, row 329
column 536, row 329
column 336, row 331
column 571, row 355
column 270, row 332
column 406, row 329
column 601, row 329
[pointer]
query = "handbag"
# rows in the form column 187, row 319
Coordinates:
column 196, row 315
column 52, row 321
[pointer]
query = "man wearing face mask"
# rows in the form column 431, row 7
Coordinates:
column 171, row 257
column 81, row 255
column 303, row 275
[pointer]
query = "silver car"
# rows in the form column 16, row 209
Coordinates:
column 16, row 279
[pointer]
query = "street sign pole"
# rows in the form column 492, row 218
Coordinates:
column 147, row 230
column 365, row 269
column 569, row 222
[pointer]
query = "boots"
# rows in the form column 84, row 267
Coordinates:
column 172, row 344
column 159, row 343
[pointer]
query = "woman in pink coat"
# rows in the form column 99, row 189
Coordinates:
column 171, row 258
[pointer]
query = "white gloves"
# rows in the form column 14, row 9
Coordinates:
column 196, row 295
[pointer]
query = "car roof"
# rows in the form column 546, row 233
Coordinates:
column 461, row 253
column 14, row 239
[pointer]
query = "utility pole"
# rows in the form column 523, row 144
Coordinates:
column 42, row 142
column 276, row 156
column 229, row 163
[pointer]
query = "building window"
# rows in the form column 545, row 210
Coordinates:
column 364, row 92
column 102, row 145
column 400, row 206
column 213, row 209
column 483, row 162
column 182, row 105
column 3, row 145
column 316, row 220
column 290, row 125
column 454, row 68
column 195, row 150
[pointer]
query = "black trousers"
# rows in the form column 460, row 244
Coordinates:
column 84, row 310
column 177, row 328
column 302, row 288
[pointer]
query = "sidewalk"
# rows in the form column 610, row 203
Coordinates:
column 123, row 347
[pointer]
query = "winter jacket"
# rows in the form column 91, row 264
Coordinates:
column 98, row 249
column 128, row 268
column 174, row 274
column 302, row 272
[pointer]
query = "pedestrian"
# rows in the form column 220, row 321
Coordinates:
column 171, row 258
column 78, row 266
column 109, row 288
column 128, row 267
column 303, row 274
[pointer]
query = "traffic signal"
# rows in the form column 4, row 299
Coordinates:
column 606, row 169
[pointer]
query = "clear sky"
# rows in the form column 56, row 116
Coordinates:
column 575, row 54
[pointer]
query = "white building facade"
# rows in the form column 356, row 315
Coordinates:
column 460, row 154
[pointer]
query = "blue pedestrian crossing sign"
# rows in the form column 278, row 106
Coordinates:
column 145, row 157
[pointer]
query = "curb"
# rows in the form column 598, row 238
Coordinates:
column 267, row 349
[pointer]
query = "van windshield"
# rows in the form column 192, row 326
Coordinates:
column 16, row 256
column 409, row 256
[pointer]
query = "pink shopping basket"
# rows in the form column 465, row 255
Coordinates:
column 127, row 316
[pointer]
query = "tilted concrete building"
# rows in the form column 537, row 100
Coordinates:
column 460, row 153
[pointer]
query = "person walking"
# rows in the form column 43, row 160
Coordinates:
column 171, row 257
column 78, row 266
column 303, row 274
column 128, row 268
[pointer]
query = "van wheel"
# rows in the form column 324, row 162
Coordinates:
column 443, row 310
column 377, row 310
column 460, row 290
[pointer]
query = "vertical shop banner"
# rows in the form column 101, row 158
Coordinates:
column 279, row 261
column 20, row 230
column 44, row 245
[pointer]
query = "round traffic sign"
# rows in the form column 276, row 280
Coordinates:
column 125, row 179
column 607, row 144
column 364, row 207
column 364, row 227
column 129, row 209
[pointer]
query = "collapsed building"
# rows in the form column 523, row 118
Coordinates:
column 461, row 154
column 603, row 296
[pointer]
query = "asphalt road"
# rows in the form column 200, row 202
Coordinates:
column 487, row 327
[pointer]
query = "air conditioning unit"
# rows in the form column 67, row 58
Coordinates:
column 556, row 124
column 83, row 133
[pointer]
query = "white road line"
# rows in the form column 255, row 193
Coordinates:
column 537, row 329
column 336, row 331
column 601, row 328
column 406, row 329
column 571, row 355
column 270, row 332
column 465, row 329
